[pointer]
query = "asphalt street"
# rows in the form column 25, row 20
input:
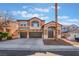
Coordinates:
column 31, row 53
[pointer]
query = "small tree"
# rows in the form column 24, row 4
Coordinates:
column 6, row 16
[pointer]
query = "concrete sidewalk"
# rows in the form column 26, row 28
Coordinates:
column 39, row 48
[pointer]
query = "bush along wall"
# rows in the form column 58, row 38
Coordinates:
column 0, row 36
column 5, row 36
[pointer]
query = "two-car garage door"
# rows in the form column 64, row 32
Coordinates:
column 35, row 35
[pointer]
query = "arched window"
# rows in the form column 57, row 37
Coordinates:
column 35, row 24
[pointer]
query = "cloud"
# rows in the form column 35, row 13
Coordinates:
column 24, row 7
column 25, row 14
column 14, row 13
column 42, row 9
column 22, row 13
column 44, row 17
column 53, row 7
column 63, row 17
column 68, row 21
column 32, row 15
column 46, row 9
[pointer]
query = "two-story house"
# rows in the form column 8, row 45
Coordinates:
column 36, row 28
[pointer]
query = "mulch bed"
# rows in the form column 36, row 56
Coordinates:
column 55, row 42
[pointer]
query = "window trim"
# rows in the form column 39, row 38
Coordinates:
column 23, row 23
column 36, row 22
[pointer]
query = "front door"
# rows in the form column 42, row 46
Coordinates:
column 50, row 33
column 23, row 34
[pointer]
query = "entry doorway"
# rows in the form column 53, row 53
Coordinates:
column 50, row 32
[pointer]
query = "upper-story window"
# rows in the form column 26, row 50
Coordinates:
column 35, row 24
column 23, row 24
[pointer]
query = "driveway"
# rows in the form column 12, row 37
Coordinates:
column 21, row 44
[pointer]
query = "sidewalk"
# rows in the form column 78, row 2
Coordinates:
column 41, row 48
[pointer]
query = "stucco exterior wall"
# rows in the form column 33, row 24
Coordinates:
column 51, row 24
column 41, row 23
column 29, row 26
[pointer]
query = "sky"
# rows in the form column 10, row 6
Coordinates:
column 68, row 14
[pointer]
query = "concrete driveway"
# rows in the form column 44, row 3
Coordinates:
column 24, row 42
column 21, row 44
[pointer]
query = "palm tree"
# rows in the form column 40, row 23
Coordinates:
column 56, row 20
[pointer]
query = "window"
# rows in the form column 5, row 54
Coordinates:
column 35, row 24
column 23, row 24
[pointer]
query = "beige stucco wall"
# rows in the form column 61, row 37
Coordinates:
column 39, row 21
column 45, row 31
column 14, row 29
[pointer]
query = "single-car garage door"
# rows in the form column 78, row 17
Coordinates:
column 35, row 35
column 23, row 34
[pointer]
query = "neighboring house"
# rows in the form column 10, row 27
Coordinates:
column 73, row 34
column 68, row 28
column 34, row 28
column 65, row 28
column 70, row 32
column 64, row 31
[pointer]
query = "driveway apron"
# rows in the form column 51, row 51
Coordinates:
column 22, row 43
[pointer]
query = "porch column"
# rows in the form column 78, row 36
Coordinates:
column 19, row 34
column 4, row 29
column 27, row 34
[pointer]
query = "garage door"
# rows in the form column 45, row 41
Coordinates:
column 35, row 35
column 23, row 34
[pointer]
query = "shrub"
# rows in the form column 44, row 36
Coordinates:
column 0, row 36
column 3, row 35
column 9, row 37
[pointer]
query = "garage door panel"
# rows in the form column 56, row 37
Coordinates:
column 35, row 35
column 23, row 34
